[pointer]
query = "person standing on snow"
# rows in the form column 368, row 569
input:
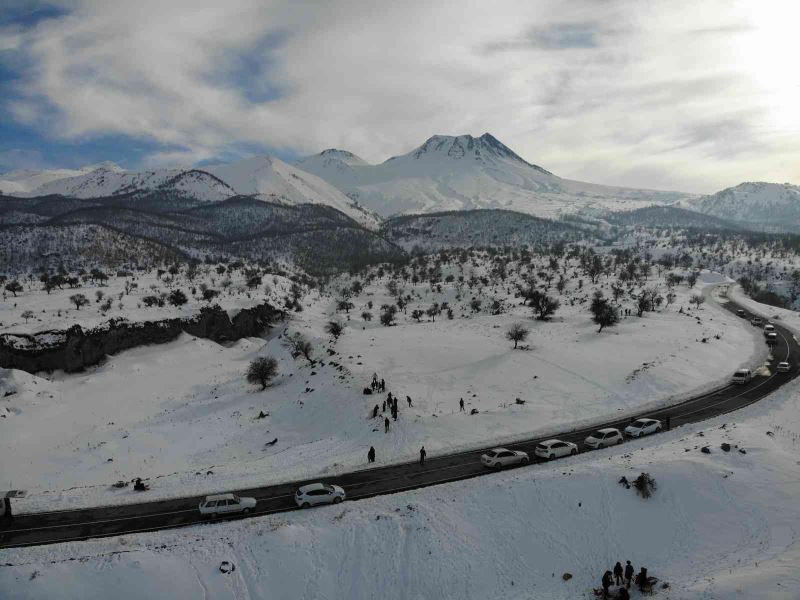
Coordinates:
column 422, row 455
column 386, row 425
column 408, row 399
column 618, row 573
column 628, row 574
column 606, row 581
column 371, row 454
column 375, row 411
column 461, row 405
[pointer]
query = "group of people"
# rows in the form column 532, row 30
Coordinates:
column 623, row 577
column 377, row 386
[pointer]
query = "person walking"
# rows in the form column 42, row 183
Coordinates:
column 386, row 425
column 422, row 455
column 408, row 399
column 394, row 412
column 371, row 454
column 628, row 574
column 390, row 398
column 384, row 406
column 461, row 405
column 383, row 385
column 375, row 411
column 618, row 573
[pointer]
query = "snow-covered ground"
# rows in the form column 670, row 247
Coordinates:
column 719, row 526
column 57, row 311
column 183, row 416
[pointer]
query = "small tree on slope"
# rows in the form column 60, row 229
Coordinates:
column 262, row 370
column 516, row 333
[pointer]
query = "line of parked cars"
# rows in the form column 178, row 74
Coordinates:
column 498, row 458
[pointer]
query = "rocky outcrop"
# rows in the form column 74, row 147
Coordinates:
column 74, row 349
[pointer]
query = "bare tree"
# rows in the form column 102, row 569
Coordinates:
column 79, row 300
column 697, row 300
column 335, row 328
column 516, row 333
column 28, row 314
column 262, row 370
column 603, row 313
column 543, row 305
column 301, row 347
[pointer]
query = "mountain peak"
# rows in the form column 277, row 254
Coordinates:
column 482, row 149
column 103, row 166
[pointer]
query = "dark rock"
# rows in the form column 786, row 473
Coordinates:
column 566, row 576
column 705, row 450
column 726, row 447
column 227, row 567
column 742, row 451
column 74, row 349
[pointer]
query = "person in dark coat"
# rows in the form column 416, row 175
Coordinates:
column 371, row 454
column 375, row 411
column 622, row 594
column 641, row 579
column 390, row 399
column 618, row 573
column 422, row 455
column 606, row 581
column 461, row 405
column 394, row 412
column 386, row 425
column 628, row 574
column 384, row 406
column 383, row 385
column 408, row 399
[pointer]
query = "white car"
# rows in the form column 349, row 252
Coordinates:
column 555, row 448
column 772, row 337
column 642, row 427
column 742, row 376
column 224, row 504
column 502, row 457
column 769, row 328
column 603, row 438
column 783, row 367
column 757, row 321
column 318, row 493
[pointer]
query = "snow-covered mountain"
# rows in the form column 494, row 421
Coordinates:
column 773, row 205
column 271, row 179
column 464, row 172
column 25, row 181
column 264, row 177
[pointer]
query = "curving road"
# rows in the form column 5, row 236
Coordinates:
column 82, row 524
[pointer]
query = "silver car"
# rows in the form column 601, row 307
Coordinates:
column 225, row 504
column 503, row 457
column 318, row 493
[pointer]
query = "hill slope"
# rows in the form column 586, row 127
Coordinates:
column 773, row 206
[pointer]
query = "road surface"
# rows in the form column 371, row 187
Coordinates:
column 82, row 524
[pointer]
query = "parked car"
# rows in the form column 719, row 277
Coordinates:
column 642, row 427
column 602, row 438
column 503, row 457
column 224, row 504
column 783, row 367
column 318, row 493
column 740, row 313
column 742, row 376
column 757, row 321
column 555, row 448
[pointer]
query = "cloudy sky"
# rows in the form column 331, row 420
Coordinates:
column 692, row 96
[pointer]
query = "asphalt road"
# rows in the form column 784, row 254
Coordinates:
column 70, row 525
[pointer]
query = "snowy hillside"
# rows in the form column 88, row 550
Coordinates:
column 771, row 204
column 264, row 177
column 110, row 180
column 464, row 172
column 22, row 182
column 274, row 180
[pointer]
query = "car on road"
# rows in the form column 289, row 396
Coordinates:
column 318, row 493
column 503, row 457
column 783, row 367
column 757, row 321
column 742, row 376
column 555, row 449
column 602, row 438
column 769, row 328
column 225, row 504
column 740, row 313
column 642, row 427
column 772, row 337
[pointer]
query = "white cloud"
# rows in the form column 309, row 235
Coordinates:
column 628, row 93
